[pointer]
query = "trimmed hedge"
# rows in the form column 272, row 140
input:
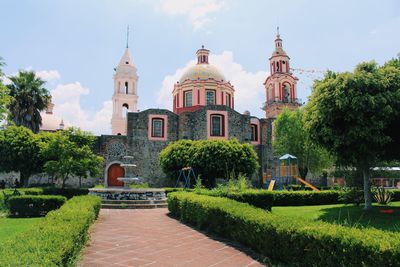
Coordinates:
column 57, row 239
column 297, row 242
column 34, row 206
column 258, row 198
column 306, row 198
column 266, row 199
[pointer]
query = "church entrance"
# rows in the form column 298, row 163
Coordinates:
column 115, row 171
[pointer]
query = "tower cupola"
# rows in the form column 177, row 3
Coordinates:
column 202, row 55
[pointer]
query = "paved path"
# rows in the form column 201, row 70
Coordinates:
column 151, row 238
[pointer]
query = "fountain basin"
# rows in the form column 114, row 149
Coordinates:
column 120, row 193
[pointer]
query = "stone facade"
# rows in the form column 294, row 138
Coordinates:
column 187, row 125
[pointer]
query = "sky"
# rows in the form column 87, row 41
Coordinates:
column 75, row 44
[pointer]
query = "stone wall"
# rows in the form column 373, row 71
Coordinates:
column 188, row 125
column 146, row 152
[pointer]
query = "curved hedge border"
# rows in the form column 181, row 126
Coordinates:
column 55, row 241
column 300, row 243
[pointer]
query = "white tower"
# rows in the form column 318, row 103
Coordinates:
column 125, row 93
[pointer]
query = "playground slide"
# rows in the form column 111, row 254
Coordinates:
column 307, row 184
column 271, row 185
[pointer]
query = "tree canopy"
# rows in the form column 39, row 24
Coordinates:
column 68, row 153
column 210, row 158
column 20, row 152
column 291, row 136
column 28, row 99
column 352, row 115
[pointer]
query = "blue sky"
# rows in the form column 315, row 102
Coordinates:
column 75, row 45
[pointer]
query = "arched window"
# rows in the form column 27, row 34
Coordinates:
column 277, row 67
column 125, row 109
column 286, row 93
column 126, row 88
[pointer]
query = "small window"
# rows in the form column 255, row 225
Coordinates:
column 254, row 132
column 157, row 127
column 188, row 98
column 126, row 88
column 210, row 97
column 217, row 125
column 126, row 62
column 228, row 100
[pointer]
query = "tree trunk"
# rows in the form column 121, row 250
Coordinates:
column 303, row 172
column 24, row 179
column 367, row 189
column 80, row 182
column 64, row 179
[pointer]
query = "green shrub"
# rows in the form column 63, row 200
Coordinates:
column 382, row 195
column 352, row 195
column 296, row 242
column 33, row 206
column 209, row 158
column 258, row 198
column 57, row 239
column 143, row 185
column 305, row 198
column 265, row 199
column 66, row 192
column 172, row 189
column 395, row 194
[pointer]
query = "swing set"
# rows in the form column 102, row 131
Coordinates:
column 186, row 174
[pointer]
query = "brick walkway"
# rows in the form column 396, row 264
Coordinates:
column 151, row 238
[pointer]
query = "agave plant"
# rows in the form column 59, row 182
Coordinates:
column 382, row 195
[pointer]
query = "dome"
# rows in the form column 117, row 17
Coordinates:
column 202, row 72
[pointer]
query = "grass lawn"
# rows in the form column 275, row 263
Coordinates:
column 10, row 227
column 347, row 215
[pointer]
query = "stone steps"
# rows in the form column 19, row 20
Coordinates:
column 133, row 204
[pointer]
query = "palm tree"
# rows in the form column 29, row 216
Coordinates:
column 28, row 99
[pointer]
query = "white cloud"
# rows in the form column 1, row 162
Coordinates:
column 249, row 89
column 48, row 75
column 198, row 11
column 66, row 98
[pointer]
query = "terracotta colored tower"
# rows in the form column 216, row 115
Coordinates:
column 125, row 93
column 281, row 84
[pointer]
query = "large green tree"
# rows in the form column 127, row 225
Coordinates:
column 210, row 158
column 70, row 155
column 291, row 137
column 20, row 151
column 353, row 114
column 28, row 98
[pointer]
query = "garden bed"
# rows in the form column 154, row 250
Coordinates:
column 57, row 239
column 296, row 242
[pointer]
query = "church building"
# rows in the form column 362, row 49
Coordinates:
column 203, row 108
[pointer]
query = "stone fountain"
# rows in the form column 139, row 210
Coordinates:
column 114, row 196
column 130, row 177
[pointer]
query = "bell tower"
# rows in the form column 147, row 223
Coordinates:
column 281, row 84
column 125, row 93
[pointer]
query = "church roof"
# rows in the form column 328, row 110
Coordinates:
column 202, row 72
